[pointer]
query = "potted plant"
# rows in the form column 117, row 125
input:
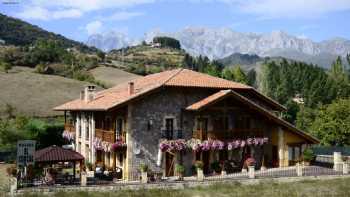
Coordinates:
column 180, row 170
column 144, row 170
column 308, row 156
column 199, row 167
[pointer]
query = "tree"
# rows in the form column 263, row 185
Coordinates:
column 251, row 78
column 101, row 55
column 5, row 66
column 167, row 42
column 332, row 123
column 239, row 75
column 227, row 73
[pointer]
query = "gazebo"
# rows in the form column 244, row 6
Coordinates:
column 55, row 154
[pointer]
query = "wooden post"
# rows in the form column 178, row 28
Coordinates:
column 74, row 170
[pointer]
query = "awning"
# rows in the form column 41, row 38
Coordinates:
column 56, row 154
column 215, row 98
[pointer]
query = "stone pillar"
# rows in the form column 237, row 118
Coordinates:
column 251, row 172
column 13, row 185
column 83, row 181
column 281, row 147
column 144, row 178
column 345, row 168
column 200, row 175
column 299, row 169
column 77, row 124
column 129, row 142
column 338, row 162
column 93, row 150
column 83, row 130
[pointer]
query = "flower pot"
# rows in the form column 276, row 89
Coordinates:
column 144, row 178
column 200, row 175
column 306, row 163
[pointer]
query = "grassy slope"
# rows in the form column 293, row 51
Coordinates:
column 336, row 187
column 35, row 94
column 148, row 55
column 112, row 76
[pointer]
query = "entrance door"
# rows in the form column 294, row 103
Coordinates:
column 205, row 159
column 169, row 164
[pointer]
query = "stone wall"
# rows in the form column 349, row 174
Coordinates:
column 166, row 103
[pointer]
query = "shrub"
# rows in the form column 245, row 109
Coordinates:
column 250, row 162
column 11, row 171
column 199, row 164
column 179, row 168
column 143, row 167
column 308, row 155
column 5, row 66
column 215, row 166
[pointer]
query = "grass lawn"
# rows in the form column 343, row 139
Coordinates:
column 336, row 187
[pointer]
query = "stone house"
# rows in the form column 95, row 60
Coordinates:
column 126, row 125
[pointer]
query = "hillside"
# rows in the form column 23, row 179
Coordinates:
column 143, row 59
column 19, row 33
column 112, row 76
column 36, row 94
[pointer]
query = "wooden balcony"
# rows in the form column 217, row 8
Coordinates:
column 109, row 136
column 227, row 135
column 69, row 127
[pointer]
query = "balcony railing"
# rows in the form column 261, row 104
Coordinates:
column 109, row 136
column 226, row 135
column 69, row 127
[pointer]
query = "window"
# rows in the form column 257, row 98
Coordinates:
column 119, row 128
column 169, row 128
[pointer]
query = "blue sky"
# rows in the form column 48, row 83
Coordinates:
column 77, row 19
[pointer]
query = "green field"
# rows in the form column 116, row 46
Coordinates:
column 335, row 187
column 112, row 76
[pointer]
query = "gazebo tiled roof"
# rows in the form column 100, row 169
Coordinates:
column 56, row 154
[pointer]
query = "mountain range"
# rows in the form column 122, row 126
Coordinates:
column 218, row 43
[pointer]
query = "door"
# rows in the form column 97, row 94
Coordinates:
column 205, row 159
column 169, row 164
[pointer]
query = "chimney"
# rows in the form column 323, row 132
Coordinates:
column 82, row 95
column 131, row 88
column 89, row 93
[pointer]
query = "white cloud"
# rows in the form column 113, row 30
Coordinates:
column 34, row 13
column 90, row 5
column 57, row 9
column 288, row 8
column 94, row 27
column 121, row 16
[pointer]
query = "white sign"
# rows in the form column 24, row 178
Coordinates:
column 25, row 152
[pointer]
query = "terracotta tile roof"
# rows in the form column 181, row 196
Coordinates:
column 209, row 100
column 202, row 104
column 117, row 95
column 56, row 154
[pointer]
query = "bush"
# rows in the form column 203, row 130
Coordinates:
column 308, row 155
column 250, row 162
column 11, row 171
column 215, row 166
column 199, row 164
column 180, row 169
column 5, row 66
column 143, row 167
